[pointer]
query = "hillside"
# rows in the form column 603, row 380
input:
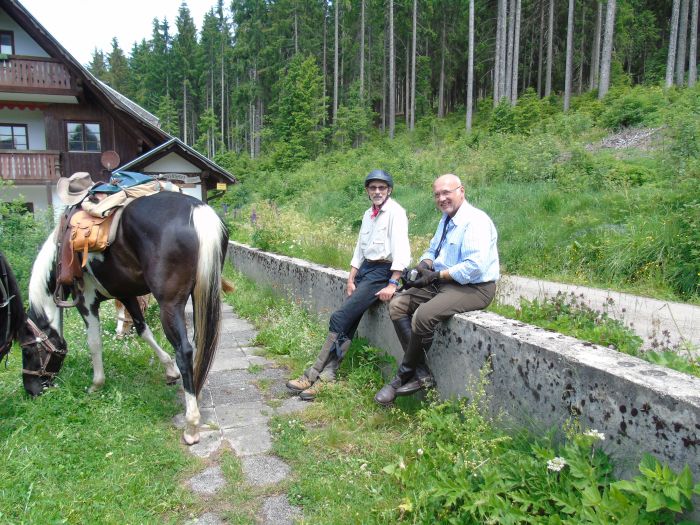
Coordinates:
column 604, row 195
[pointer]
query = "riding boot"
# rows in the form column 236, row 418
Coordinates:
column 311, row 374
column 412, row 359
column 403, row 331
column 329, row 371
column 422, row 378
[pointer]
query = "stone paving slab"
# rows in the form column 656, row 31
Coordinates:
column 230, row 361
column 249, row 440
column 209, row 442
column 264, row 470
column 291, row 405
column 242, row 414
column 208, row 518
column 208, row 482
column 276, row 510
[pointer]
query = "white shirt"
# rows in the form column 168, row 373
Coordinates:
column 384, row 238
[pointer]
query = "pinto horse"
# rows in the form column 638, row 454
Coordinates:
column 168, row 244
column 12, row 315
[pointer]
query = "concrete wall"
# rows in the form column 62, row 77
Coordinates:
column 539, row 378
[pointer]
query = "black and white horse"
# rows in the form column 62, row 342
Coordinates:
column 12, row 315
column 168, row 244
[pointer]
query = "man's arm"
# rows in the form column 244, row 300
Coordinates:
column 350, row 286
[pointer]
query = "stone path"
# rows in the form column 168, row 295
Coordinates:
column 235, row 414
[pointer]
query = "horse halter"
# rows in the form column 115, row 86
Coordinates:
column 46, row 350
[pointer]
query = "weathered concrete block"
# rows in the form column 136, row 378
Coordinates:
column 537, row 377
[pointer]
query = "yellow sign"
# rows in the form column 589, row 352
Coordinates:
column 221, row 186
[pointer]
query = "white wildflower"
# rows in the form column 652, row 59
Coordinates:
column 595, row 434
column 556, row 464
column 402, row 465
column 363, row 466
column 419, row 451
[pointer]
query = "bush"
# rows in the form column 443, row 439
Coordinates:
column 632, row 108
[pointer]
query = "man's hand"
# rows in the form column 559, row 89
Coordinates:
column 426, row 277
column 386, row 293
column 350, row 287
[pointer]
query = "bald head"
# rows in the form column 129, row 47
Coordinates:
column 449, row 193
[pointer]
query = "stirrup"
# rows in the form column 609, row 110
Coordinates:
column 59, row 292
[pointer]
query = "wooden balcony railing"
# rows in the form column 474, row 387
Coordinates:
column 30, row 74
column 30, row 166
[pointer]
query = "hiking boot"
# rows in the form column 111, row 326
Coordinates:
column 310, row 393
column 299, row 385
column 415, row 384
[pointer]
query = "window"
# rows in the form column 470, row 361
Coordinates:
column 83, row 136
column 13, row 136
column 7, row 43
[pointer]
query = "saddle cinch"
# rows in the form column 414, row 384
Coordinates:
column 92, row 225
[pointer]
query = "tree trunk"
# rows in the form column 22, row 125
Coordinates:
column 407, row 90
column 412, row 122
column 569, row 56
column 693, row 54
column 673, row 40
column 504, row 44
column 550, row 36
column 607, row 49
column 497, row 55
column 362, row 51
column 335, row 66
column 325, row 64
column 441, row 89
column 223, row 94
column 392, row 73
column 682, row 43
column 385, row 45
column 582, row 47
column 184, row 110
column 296, row 32
column 516, row 55
column 509, row 49
column 540, row 51
column 595, row 54
column 470, row 67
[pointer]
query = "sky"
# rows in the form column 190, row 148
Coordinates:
column 80, row 26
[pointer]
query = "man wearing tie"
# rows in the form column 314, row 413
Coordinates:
column 456, row 274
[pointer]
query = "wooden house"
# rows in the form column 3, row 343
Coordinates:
column 57, row 119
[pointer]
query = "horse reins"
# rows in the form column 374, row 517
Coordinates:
column 48, row 348
column 5, row 299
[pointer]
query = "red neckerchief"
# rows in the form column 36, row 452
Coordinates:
column 375, row 211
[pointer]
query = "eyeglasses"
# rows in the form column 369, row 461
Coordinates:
column 445, row 193
column 377, row 188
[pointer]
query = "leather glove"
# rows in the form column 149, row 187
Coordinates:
column 423, row 265
column 427, row 277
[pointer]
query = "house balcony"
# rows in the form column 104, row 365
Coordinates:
column 31, row 78
column 30, row 167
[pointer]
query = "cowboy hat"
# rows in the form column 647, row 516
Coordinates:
column 71, row 190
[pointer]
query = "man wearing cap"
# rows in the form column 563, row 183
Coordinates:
column 381, row 254
column 457, row 273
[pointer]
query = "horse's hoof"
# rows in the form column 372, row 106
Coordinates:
column 94, row 389
column 190, row 439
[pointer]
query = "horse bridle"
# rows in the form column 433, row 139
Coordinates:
column 46, row 350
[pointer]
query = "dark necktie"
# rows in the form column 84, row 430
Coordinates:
column 442, row 239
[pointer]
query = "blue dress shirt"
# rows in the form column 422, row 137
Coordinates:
column 469, row 250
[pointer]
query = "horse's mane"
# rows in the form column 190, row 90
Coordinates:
column 42, row 281
column 17, row 314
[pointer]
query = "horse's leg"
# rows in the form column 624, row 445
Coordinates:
column 133, row 306
column 172, row 316
column 89, row 311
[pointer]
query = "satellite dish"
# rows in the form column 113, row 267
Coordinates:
column 109, row 159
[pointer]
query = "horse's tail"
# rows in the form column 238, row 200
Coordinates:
column 206, row 296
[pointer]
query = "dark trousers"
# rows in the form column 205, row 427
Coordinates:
column 371, row 277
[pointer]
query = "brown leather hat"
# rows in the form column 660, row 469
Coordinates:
column 71, row 190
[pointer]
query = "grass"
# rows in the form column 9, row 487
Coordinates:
column 113, row 457
column 434, row 462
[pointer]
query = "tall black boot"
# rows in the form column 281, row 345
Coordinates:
column 403, row 331
column 413, row 357
column 422, row 378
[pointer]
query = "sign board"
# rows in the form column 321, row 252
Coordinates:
column 221, row 186
column 180, row 177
